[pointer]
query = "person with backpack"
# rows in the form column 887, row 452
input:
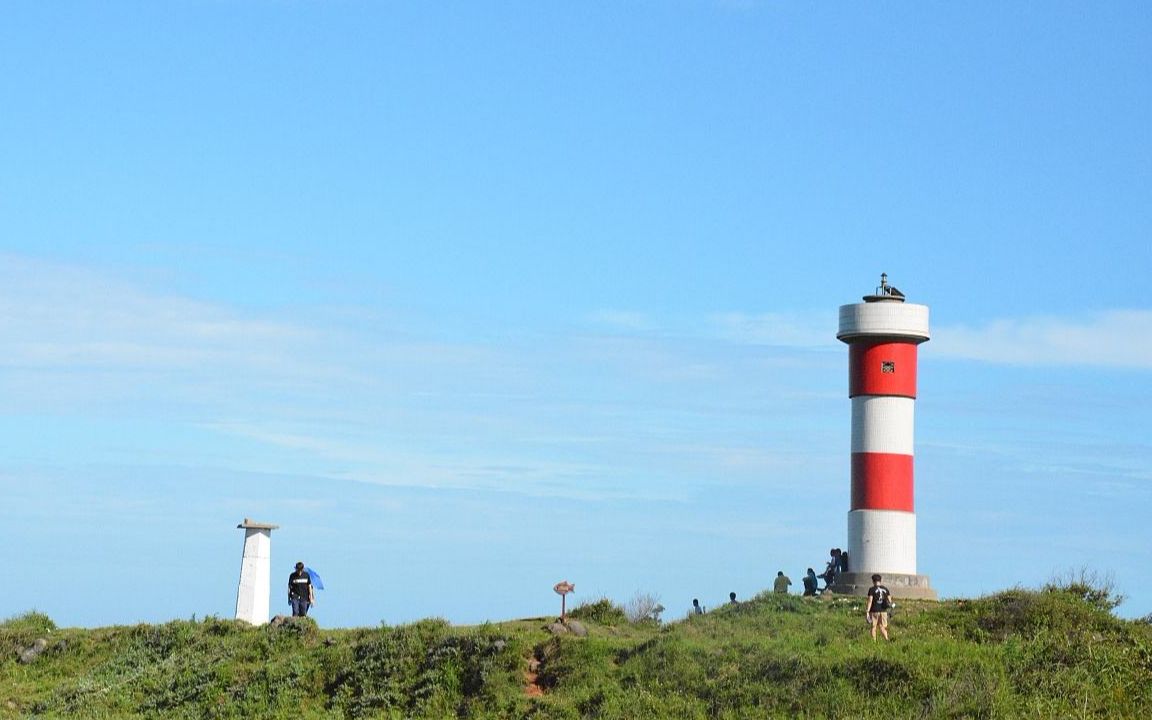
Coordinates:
column 879, row 603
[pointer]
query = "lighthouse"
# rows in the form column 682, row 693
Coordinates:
column 883, row 334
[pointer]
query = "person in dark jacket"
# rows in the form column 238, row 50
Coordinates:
column 301, row 596
column 810, row 583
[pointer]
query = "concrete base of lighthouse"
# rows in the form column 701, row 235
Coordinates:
column 903, row 587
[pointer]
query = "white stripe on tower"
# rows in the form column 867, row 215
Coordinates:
column 882, row 424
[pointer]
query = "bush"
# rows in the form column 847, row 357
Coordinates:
column 1027, row 613
column 1096, row 589
column 302, row 628
column 644, row 608
column 425, row 669
column 19, row 632
column 31, row 621
column 602, row 611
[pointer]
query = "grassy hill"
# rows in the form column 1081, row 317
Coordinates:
column 1051, row 653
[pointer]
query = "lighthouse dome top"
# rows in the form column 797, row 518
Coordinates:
column 884, row 314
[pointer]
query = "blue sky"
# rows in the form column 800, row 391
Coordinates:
column 474, row 297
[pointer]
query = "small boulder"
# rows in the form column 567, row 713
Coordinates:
column 557, row 628
column 577, row 628
column 30, row 654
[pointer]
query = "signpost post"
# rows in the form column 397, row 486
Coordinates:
column 562, row 589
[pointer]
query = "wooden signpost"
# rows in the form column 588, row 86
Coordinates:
column 562, row 589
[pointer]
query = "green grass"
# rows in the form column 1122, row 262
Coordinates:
column 1057, row 652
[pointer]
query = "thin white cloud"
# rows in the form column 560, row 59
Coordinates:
column 620, row 321
column 62, row 317
column 1117, row 338
column 583, row 415
column 798, row 330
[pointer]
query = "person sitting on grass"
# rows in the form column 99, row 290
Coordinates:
column 782, row 582
column 829, row 575
column 810, row 583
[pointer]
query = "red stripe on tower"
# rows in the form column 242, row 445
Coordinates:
column 882, row 368
column 881, row 481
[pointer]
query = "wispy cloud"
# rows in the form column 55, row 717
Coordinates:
column 620, row 321
column 625, row 411
column 63, row 317
column 1118, row 338
column 798, row 330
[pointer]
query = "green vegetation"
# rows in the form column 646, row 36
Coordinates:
column 602, row 611
column 1056, row 652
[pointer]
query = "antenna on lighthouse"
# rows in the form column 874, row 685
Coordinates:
column 884, row 291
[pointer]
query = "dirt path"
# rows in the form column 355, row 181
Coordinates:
column 531, row 688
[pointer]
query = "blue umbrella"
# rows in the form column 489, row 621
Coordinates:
column 316, row 581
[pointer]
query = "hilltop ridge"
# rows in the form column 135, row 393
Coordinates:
column 1054, row 652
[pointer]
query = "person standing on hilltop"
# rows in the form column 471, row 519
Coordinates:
column 300, row 593
column 879, row 603
column 782, row 583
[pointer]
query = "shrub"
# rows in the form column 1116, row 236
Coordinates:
column 1027, row 613
column 425, row 669
column 602, row 611
column 17, row 633
column 302, row 628
column 160, row 641
column 644, row 607
column 31, row 621
column 1095, row 588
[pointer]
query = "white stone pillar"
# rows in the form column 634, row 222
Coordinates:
column 255, row 573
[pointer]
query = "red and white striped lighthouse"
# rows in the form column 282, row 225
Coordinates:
column 883, row 334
